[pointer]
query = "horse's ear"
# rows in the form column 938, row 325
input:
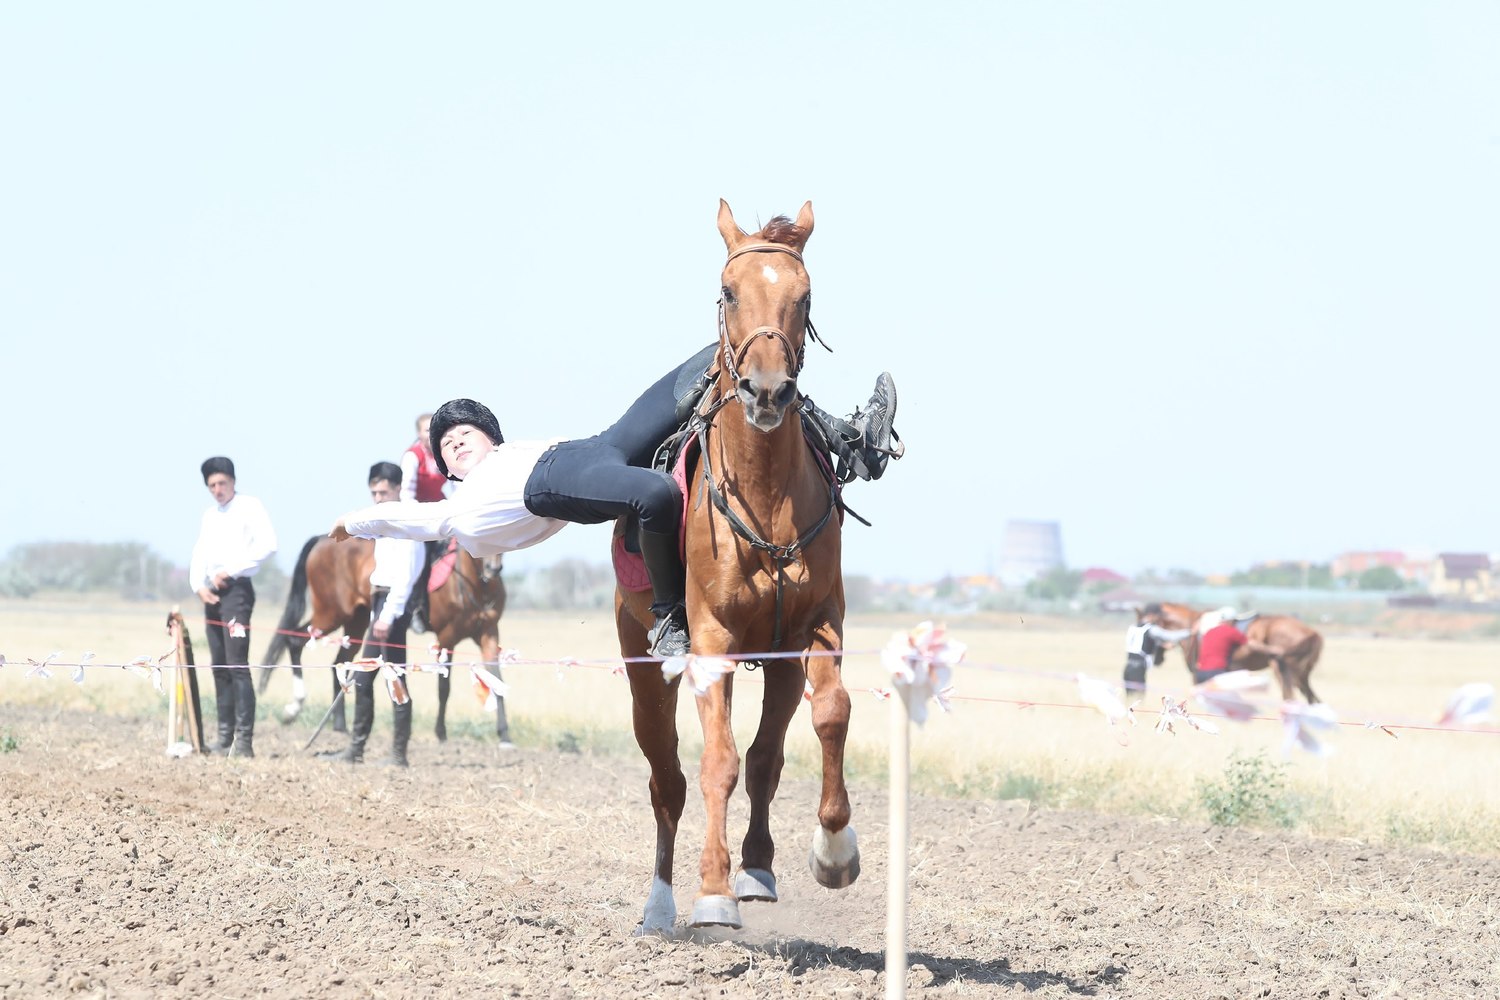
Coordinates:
column 728, row 228
column 804, row 223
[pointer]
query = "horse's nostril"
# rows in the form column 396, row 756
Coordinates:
column 746, row 389
column 786, row 393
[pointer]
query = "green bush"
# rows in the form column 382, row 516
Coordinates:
column 1252, row 792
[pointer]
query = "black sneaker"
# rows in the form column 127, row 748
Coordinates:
column 669, row 637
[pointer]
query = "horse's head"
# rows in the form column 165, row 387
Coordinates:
column 763, row 308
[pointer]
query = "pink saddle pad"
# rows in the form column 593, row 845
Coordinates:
column 443, row 568
column 630, row 568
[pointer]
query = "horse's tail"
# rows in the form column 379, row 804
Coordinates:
column 296, row 606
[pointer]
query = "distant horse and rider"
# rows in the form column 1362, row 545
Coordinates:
column 1299, row 643
column 336, row 579
column 762, row 548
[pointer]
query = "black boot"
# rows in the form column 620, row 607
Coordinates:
column 400, row 735
column 364, row 719
column 669, row 636
column 244, row 714
column 867, row 441
column 224, row 704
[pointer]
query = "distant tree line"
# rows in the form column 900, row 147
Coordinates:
column 129, row 569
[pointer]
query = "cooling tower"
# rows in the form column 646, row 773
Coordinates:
column 1028, row 549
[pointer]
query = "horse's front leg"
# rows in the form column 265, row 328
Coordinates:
column 718, row 774
column 763, row 763
column 834, row 858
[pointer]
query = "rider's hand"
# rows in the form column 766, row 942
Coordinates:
column 338, row 533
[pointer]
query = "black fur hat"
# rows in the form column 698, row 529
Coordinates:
column 453, row 413
column 217, row 464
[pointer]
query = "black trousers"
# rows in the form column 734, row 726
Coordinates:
column 233, row 688
column 393, row 649
column 598, row 479
column 1135, row 672
column 236, row 602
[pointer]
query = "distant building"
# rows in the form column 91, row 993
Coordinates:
column 1029, row 549
column 1097, row 576
column 1462, row 575
column 1355, row 563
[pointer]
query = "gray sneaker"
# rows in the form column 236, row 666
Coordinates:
column 669, row 637
column 877, row 427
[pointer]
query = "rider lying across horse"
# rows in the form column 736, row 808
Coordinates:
column 514, row 494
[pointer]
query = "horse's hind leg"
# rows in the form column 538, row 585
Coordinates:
column 763, row 762
column 441, row 728
column 834, row 858
column 654, row 714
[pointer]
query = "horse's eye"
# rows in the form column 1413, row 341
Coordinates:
column 728, row 295
column 806, row 303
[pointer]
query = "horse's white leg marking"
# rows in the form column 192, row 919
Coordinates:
column 661, row 908
column 299, row 689
column 835, row 850
column 770, row 273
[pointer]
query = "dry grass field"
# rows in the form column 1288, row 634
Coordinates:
column 1052, row 856
column 1416, row 788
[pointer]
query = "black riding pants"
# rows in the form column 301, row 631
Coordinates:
column 608, row 475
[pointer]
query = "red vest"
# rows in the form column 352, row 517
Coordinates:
column 430, row 481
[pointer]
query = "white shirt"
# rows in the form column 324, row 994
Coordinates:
column 486, row 512
column 398, row 563
column 233, row 539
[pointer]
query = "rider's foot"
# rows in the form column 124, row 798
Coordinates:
column 669, row 636
column 879, row 441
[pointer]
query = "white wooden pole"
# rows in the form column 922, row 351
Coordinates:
column 895, row 895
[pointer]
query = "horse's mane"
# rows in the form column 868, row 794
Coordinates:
column 782, row 230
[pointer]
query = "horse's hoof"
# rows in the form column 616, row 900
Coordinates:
column 441, row 731
column 290, row 711
column 661, row 910
column 834, row 858
column 716, row 911
column 755, row 884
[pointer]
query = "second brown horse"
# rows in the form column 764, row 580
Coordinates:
column 336, row 578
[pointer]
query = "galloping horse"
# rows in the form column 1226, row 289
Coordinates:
column 337, row 575
column 1302, row 644
column 763, row 574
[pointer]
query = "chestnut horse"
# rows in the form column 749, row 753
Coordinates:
column 337, row 577
column 1302, row 644
column 763, row 554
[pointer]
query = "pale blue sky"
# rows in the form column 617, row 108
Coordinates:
column 1206, row 283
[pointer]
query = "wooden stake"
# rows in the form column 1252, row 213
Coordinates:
column 895, row 895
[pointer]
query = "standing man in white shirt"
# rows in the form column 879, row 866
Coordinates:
column 398, row 564
column 234, row 540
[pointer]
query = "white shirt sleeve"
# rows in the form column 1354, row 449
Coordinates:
column 400, row 593
column 260, row 543
column 423, row 522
